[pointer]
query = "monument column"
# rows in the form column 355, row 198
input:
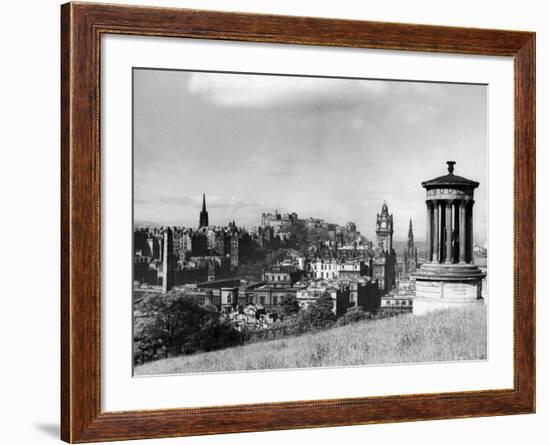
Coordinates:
column 448, row 231
column 442, row 282
column 462, row 232
column 435, row 254
column 456, row 225
column 429, row 226
column 470, row 229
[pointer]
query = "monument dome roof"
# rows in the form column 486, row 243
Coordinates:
column 450, row 180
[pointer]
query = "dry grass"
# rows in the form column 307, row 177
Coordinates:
column 447, row 335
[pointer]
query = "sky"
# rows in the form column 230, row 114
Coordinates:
column 331, row 148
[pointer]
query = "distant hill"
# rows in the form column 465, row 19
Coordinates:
column 146, row 224
column 400, row 245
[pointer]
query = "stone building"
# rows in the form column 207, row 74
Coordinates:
column 148, row 243
column 385, row 260
column 351, row 228
column 339, row 293
column 281, row 276
column 277, row 219
column 401, row 299
column 354, row 251
column 334, row 268
column 271, row 297
column 326, row 269
column 168, row 261
column 168, row 257
column 229, row 299
column 182, row 242
column 363, row 293
column 397, row 303
column 384, row 229
column 199, row 242
column 449, row 277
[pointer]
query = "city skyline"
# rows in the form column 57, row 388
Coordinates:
column 139, row 223
column 314, row 146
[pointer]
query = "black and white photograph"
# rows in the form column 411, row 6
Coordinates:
column 291, row 222
column 277, row 222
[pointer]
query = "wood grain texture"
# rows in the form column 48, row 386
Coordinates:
column 81, row 28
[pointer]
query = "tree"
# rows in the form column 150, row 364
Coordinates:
column 290, row 305
column 303, row 237
column 325, row 304
column 217, row 334
column 172, row 324
column 321, row 313
column 353, row 315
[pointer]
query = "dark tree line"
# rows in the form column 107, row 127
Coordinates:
column 172, row 324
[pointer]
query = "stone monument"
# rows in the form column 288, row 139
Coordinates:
column 448, row 278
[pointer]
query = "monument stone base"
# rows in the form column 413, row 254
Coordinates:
column 441, row 286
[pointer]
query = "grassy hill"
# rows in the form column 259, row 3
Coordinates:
column 447, row 335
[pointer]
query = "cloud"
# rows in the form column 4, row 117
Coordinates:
column 180, row 201
column 267, row 90
column 333, row 148
column 417, row 112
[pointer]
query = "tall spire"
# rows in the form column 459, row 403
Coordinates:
column 410, row 253
column 203, row 219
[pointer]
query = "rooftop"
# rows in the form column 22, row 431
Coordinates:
column 450, row 179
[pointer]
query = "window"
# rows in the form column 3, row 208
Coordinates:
column 274, row 300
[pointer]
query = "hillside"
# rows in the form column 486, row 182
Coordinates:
column 456, row 334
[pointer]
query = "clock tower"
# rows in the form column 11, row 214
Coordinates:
column 384, row 260
column 384, row 229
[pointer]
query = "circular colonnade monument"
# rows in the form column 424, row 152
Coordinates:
column 449, row 277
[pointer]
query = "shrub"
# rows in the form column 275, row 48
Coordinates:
column 321, row 313
column 172, row 324
column 353, row 315
column 290, row 305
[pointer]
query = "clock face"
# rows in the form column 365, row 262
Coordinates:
column 383, row 224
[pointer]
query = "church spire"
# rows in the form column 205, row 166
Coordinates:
column 410, row 253
column 203, row 219
column 410, row 238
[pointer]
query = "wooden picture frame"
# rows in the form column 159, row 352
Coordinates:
column 82, row 26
